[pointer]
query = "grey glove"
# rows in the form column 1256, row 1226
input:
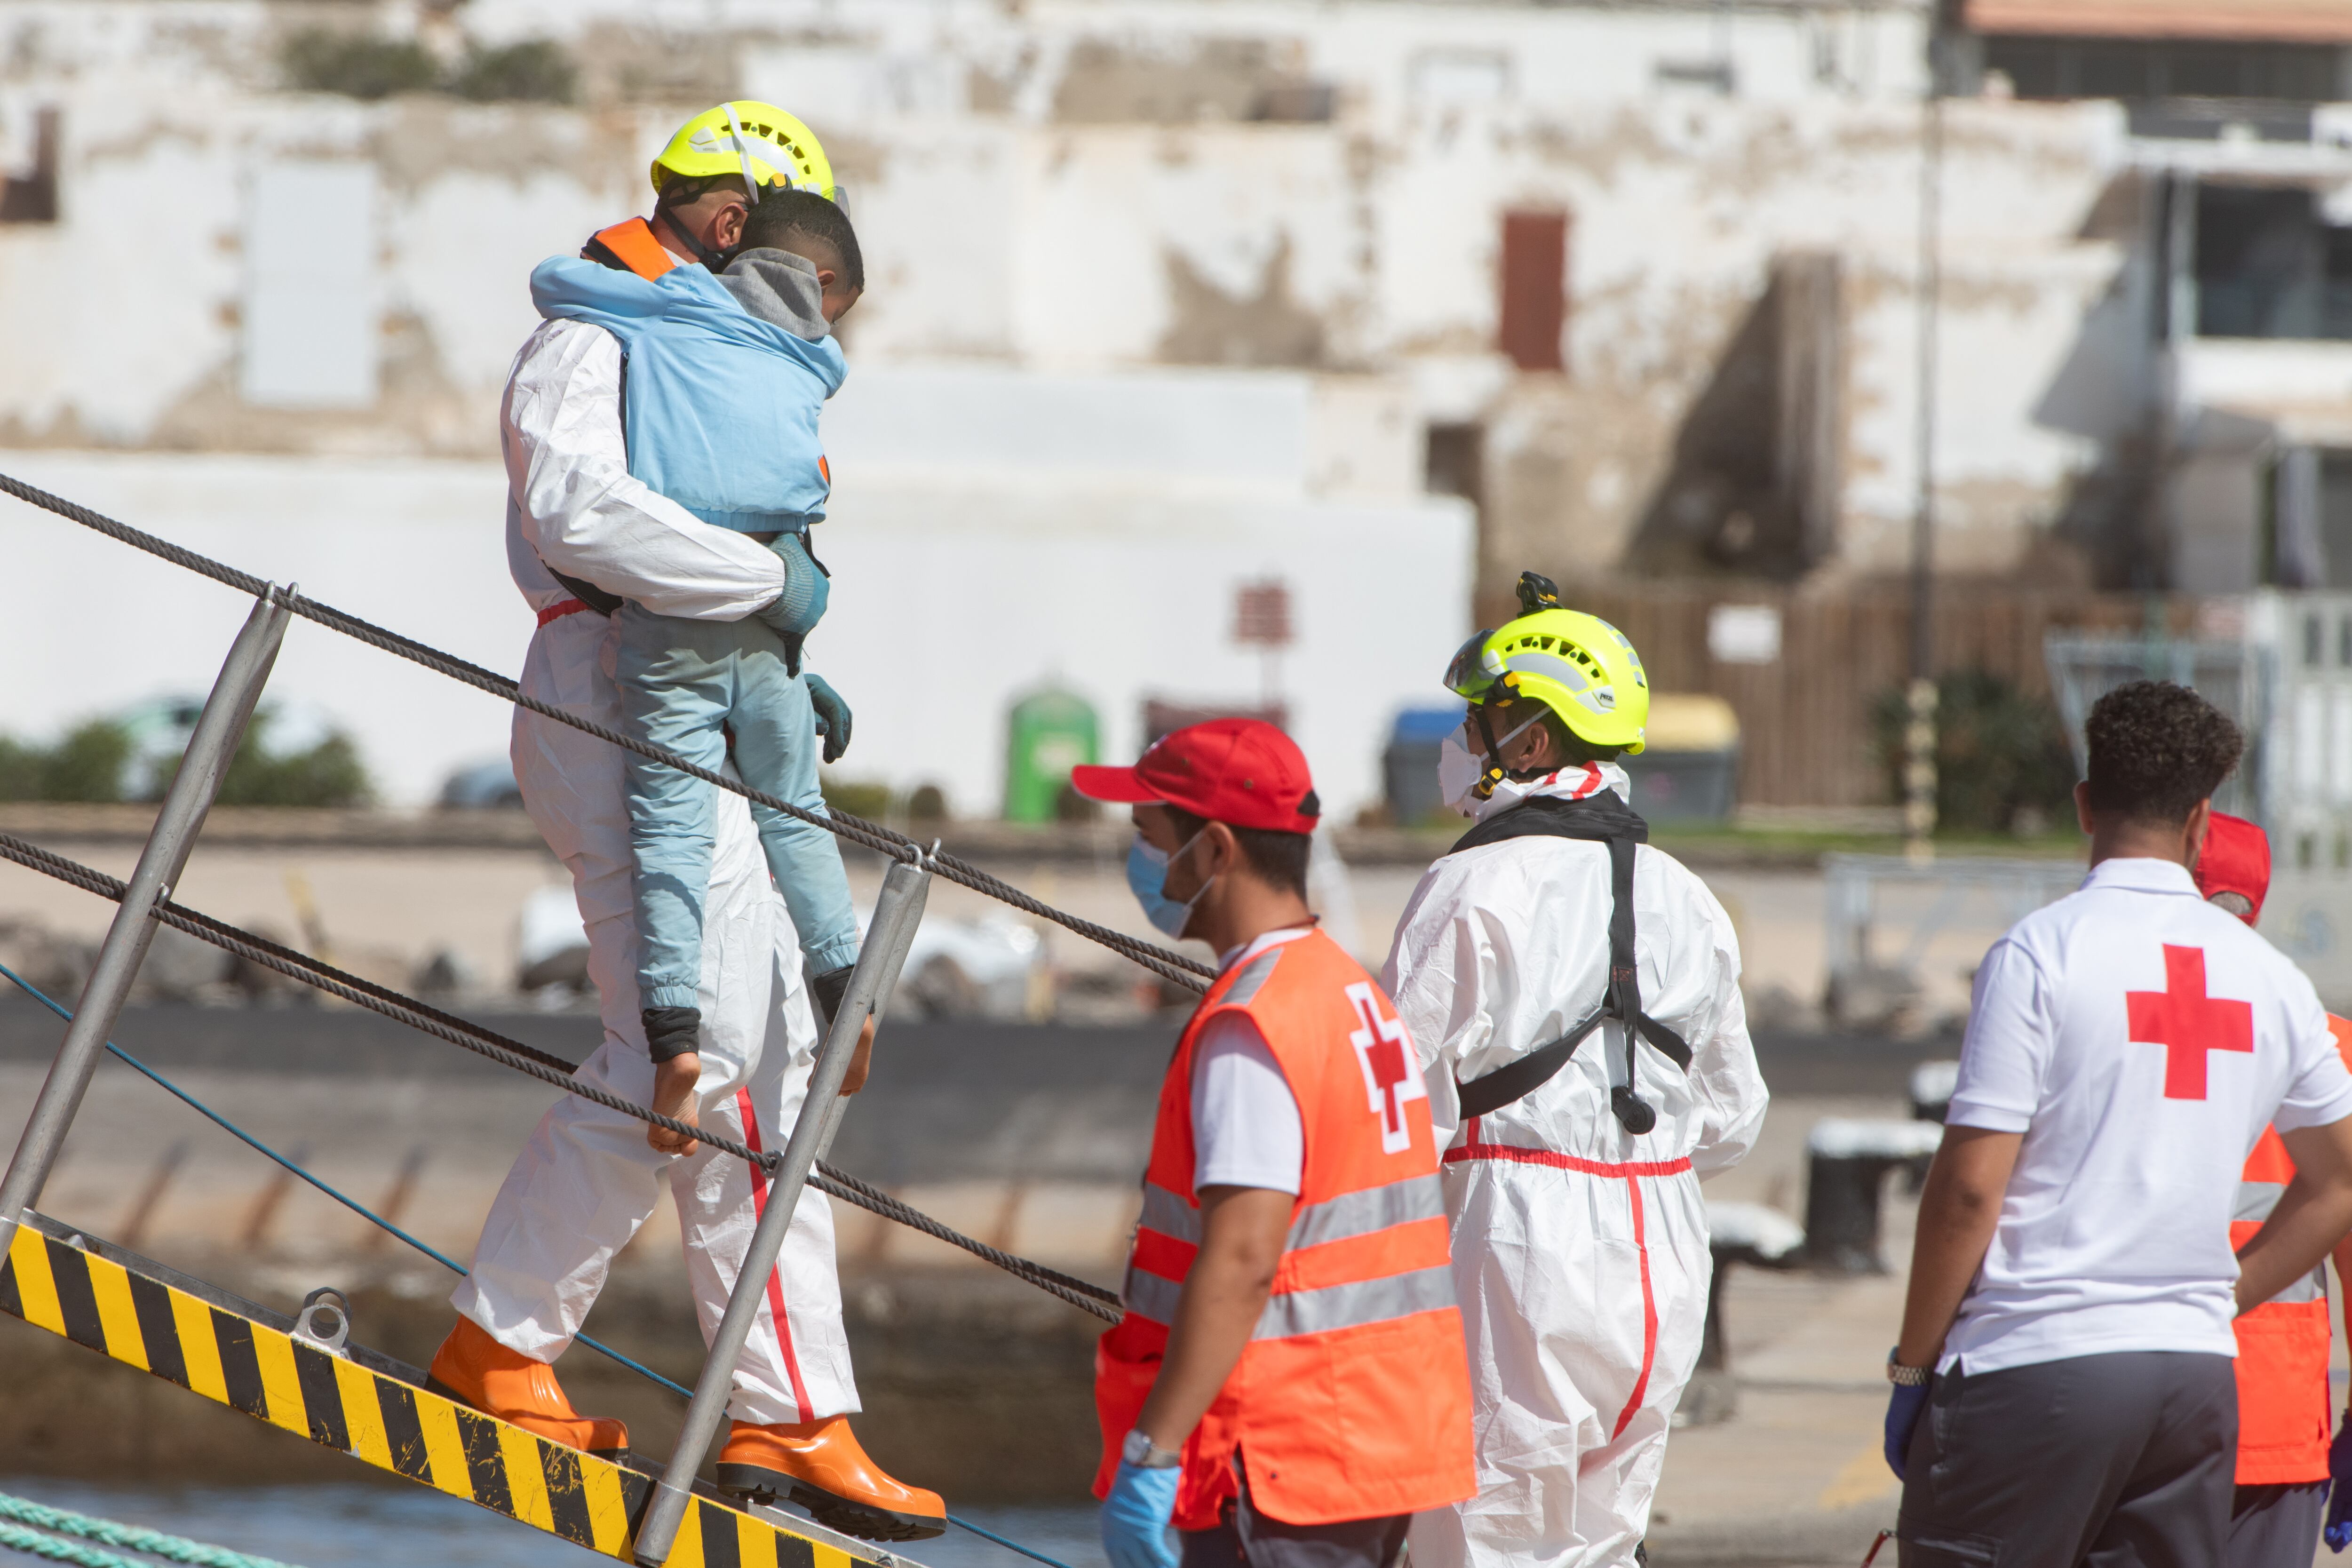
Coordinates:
column 795, row 612
column 832, row 716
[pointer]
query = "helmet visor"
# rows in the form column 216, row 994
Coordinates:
column 1468, row 676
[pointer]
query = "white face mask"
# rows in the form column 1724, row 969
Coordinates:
column 1457, row 774
column 1459, row 769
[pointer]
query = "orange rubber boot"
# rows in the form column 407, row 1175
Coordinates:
column 475, row 1369
column 818, row 1465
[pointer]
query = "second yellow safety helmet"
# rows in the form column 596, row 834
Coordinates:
column 1578, row 666
column 758, row 140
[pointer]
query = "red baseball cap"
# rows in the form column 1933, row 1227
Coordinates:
column 1243, row 773
column 2236, row 859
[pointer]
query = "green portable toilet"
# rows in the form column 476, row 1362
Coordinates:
column 1047, row 733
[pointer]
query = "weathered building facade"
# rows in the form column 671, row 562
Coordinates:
column 1636, row 287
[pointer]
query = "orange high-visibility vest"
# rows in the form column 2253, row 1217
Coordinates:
column 2283, row 1408
column 1352, row 1398
column 631, row 246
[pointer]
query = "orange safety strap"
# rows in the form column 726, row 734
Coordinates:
column 632, row 243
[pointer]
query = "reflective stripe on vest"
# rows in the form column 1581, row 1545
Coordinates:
column 1295, row 1312
column 2255, row 1201
column 1350, row 1214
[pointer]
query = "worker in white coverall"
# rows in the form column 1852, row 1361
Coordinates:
column 589, row 1176
column 1580, row 1241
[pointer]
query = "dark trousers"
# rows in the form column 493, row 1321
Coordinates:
column 2106, row 1461
column 1244, row 1538
column 2276, row 1526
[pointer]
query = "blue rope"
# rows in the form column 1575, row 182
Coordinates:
column 1008, row 1545
column 231, row 1127
column 225, row 1125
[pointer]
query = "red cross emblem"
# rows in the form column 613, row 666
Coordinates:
column 2188, row 1023
column 1392, row 1076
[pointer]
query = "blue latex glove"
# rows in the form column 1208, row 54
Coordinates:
column 1135, row 1517
column 831, row 715
column 2338, row 1532
column 1903, row 1413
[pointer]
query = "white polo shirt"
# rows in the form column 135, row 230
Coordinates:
column 2139, row 1038
column 1247, row 1129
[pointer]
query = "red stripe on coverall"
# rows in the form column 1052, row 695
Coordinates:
column 775, row 1274
column 1630, row 1173
column 557, row 611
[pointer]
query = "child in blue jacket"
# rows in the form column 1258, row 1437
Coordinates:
column 726, row 376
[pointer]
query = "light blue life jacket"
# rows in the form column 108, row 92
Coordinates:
column 721, row 407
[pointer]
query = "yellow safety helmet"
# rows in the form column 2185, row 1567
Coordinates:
column 1578, row 666
column 755, row 140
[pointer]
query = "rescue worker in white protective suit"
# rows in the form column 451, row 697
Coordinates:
column 583, row 534
column 1575, row 1144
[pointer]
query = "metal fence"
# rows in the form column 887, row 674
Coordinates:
column 1805, row 713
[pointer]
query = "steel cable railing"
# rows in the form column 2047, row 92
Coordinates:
column 540, row 1064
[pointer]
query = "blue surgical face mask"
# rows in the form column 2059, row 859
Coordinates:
column 1147, row 876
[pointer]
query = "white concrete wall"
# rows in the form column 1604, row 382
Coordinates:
column 94, row 625
column 952, row 593
column 951, row 597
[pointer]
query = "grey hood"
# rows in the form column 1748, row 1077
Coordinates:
column 777, row 285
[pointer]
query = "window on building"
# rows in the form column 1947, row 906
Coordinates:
column 2138, row 68
column 2268, row 264
column 1454, row 461
column 1295, row 103
column 2307, row 543
column 1534, row 288
column 29, row 194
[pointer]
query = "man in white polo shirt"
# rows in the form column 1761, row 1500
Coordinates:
column 2071, row 1283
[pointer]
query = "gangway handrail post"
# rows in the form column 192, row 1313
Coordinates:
column 896, row 912
column 219, row 730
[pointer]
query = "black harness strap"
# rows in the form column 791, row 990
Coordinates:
column 1602, row 818
column 588, row 593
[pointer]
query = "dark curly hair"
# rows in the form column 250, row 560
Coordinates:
column 2158, row 749
column 784, row 217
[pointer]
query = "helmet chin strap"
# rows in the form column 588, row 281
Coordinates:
column 1495, row 772
column 716, row 260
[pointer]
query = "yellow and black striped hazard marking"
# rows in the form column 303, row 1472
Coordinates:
column 121, row 1311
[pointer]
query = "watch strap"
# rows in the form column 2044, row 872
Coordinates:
column 1144, row 1455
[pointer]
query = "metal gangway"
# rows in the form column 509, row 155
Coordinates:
column 303, row 1373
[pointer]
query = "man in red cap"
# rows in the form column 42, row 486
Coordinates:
column 1289, row 1385
column 2284, row 1461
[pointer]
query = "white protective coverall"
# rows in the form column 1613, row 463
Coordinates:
column 1580, row 1251
column 587, row 1179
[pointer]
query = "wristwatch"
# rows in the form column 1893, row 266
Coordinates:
column 1139, row 1451
column 1903, row 1376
